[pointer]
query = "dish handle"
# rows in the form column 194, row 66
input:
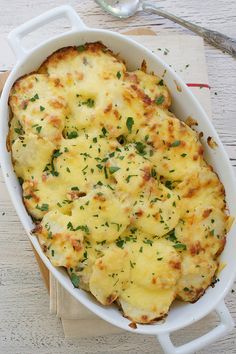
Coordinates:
column 225, row 326
column 15, row 37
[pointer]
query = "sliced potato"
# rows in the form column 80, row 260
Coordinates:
column 110, row 275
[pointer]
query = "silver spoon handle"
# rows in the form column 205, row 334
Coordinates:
column 217, row 39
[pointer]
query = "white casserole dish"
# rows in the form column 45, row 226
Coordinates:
column 184, row 105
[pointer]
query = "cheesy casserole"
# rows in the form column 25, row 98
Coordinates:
column 117, row 185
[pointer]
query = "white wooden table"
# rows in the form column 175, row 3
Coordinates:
column 25, row 323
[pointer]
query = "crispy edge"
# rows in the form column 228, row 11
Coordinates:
column 63, row 53
column 144, row 319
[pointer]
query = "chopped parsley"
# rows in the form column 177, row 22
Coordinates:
column 56, row 153
column 99, row 166
column 113, row 169
column 130, row 176
column 129, row 123
column 80, row 227
column 180, row 246
column 18, row 131
column 42, row 108
column 118, row 75
column 168, row 184
column 159, row 100
column 171, row 236
column 75, row 188
column 103, row 242
column 21, row 181
column 175, row 143
column 75, row 280
column 90, row 102
column 39, row 128
column 166, row 51
column 140, row 147
column 120, row 243
column 28, row 196
column 105, row 172
column 72, row 135
column 153, row 173
column 121, row 139
column 148, row 242
column 81, row 48
column 43, row 207
column 50, row 168
column 34, row 98
column 104, row 131
column 132, row 264
column 83, row 170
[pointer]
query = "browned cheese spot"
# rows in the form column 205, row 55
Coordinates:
column 211, row 142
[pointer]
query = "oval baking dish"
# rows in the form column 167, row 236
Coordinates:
column 184, row 105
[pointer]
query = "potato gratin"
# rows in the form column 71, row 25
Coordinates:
column 117, row 185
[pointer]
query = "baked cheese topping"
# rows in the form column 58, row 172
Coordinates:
column 117, row 185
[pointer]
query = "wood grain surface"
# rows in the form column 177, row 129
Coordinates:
column 26, row 326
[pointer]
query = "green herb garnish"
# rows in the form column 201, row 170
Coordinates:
column 81, row 48
column 75, row 280
column 130, row 176
column 104, row 131
column 140, row 147
column 120, row 243
column 148, row 242
column 175, row 143
column 72, row 135
column 129, row 123
column 34, row 98
column 90, row 102
column 159, row 100
column 180, row 246
column 43, row 207
column 113, row 169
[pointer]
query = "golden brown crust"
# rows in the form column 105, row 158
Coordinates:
column 72, row 51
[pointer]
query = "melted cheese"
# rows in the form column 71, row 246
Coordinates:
column 122, row 195
column 39, row 107
column 62, row 244
column 95, row 210
column 156, row 210
column 112, row 271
